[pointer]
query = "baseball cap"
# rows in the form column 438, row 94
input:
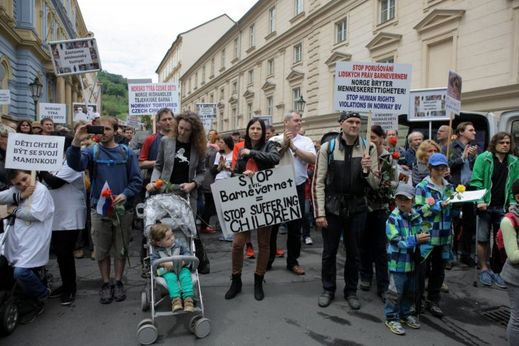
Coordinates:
column 405, row 190
column 346, row 115
column 438, row 159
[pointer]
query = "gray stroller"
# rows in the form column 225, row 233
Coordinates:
column 174, row 211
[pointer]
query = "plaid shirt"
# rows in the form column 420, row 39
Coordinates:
column 401, row 230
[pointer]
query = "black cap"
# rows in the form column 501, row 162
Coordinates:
column 346, row 115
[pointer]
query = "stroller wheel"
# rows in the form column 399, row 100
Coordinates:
column 202, row 327
column 145, row 303
column 147, row 334
column 144, row 321
column 9, row 317
column 192, row 323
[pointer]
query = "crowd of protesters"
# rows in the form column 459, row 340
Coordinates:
column 392, row 207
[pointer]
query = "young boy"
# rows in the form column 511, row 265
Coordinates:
column 403, row 230
column 165, row 245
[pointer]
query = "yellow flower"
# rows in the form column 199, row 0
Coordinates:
column 461, row 188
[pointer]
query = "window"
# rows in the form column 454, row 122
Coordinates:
column 298, row 53
column 252, row 36
column 272, row 19
column 340, row 31
column 250, row 77
column 212, row 67
column 270, row 105
column 234, row 87
column 296, row 94
column 387, row 60
column 222, row 59
column 387, row 10
column 270, row 67
column 196, row 79
column 298, row 6
column 203, row 74
column 250, row 112
column 222, row 93
column 211, row 98
column 236, row 47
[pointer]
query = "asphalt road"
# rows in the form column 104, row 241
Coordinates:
column 288, row 315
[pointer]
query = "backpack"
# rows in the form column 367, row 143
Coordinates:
column 499, row 237
column 124, row 152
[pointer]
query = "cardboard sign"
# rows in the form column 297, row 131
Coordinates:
column 267, row 198
column 453, row 100
column 75, row 56
column 55, row 111
column 34, row 152
column 372, row 87
column 386, row 121
column 5, row 96
column 148, row 99
column 427, row 105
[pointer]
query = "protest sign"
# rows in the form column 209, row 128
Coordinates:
column 453, row 100
column 34, row 152
column 427, row 105
column 267, row 198
column 84, row 112
column 267, row 119
column 133, row 121
column 375, row 87
column 5, row 96
column 206, row 110
column 386, row 121
column 148, row 99
column 55, row 111
column 75, row 56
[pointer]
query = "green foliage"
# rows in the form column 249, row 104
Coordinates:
column 114, row 95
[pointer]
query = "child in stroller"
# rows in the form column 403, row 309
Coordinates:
column 165, row 245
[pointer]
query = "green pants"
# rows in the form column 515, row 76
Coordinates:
column 185, row 283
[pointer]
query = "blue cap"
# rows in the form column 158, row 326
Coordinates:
column 438, row 160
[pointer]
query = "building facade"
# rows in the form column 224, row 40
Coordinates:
column 26, row 27
column 283, row 49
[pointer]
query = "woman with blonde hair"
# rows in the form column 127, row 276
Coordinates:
column 424, row 151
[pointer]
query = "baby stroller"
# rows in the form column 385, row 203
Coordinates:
column 174, row 211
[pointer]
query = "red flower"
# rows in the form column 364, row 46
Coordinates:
column 430, row 201
column 392, row 141
column 159, row 183
column 106, row 193
column 96, row 138
column 395, row 155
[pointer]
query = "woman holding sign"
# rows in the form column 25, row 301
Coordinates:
column 256, row 155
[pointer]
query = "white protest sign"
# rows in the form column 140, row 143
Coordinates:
column 267, row 119
column 84, row 112
column 206, row 110
column 34, row 152
column 267, row 198
column 375, row 87
column 149, row 98
column 55, row 111
column 427, row 105
column 133, row 121
column 453, row 100
column 387, row 121
column 75, row 56
column 5, row 96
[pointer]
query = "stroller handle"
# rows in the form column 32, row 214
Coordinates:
column 187, row 259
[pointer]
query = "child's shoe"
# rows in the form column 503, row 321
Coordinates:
column 188, row 305
column 176, row 305
column 411, row 322
column 250, row 251
column 395, row 327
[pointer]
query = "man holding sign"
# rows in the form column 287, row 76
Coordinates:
column 342, row 171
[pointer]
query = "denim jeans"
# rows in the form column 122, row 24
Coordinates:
column 400, row 295
column 433, row 268
column 172, row 280
column 350, row 227
column 30, row 283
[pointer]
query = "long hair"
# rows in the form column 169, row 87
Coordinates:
column 197, row 138
column 19, row 127
column 498, row 137
column 421, row 152
column 248, row 143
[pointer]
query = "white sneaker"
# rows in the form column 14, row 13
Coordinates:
column 308, row 241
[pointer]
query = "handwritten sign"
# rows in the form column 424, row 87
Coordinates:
column 34, row 152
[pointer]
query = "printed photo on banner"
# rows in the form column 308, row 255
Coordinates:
column 5, row 96
column 427, row 105
column 149, row 98
column 267, row 198
column 84, row 112
column 75, row 56
column 55, row 111
column 372, row 87
column 34, row 152
column 453, row 101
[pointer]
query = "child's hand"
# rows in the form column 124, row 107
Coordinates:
column 444, row 204
column 423, row 237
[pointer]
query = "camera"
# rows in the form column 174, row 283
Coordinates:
column 98, row 130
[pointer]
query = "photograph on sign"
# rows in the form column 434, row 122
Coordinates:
column 76, row 56
column 372, row 87
column 206, row 109
column 267, row 198
column 387, row 121
column 149, row 98
column 5, row 96
column 84, row 112
column 34, row 152
column 427, row 105
column 55, row 111
column 453, row 100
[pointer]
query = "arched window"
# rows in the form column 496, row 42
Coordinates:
column 5, row 76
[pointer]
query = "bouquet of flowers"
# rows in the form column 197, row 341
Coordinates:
column 108, row 209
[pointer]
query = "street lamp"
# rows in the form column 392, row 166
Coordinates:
column 300, row 104
column 36, row 88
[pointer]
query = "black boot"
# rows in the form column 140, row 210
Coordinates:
column 235, row 286
column 258, row 287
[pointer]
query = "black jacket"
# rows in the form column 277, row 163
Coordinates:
column 266, row 156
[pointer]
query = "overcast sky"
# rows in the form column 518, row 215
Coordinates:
column 134, row 35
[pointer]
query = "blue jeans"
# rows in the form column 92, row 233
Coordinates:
column 30, row 283
column 185, row 283
column 400, row 295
